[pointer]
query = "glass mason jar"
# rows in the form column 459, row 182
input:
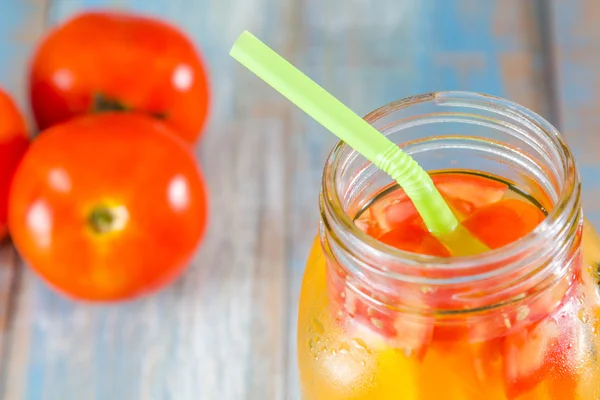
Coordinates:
column 518, row 322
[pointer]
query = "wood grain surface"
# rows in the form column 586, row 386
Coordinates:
column 226, row 330
column 576, row 62
column 21, row 24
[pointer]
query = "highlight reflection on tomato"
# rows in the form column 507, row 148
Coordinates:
column 106, row 60
column 13, row 144
column 108, row 206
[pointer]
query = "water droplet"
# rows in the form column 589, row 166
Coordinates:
column 377, row 323
column 344, row 348
column 522, row 313
column 583, row 316
column 360, row 344
column 317, row 326
column 518, row 297
column 363, row 363
column 427, row 289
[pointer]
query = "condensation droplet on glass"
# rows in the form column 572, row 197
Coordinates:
column 317, row 326
column 522, row 313
column 507, row 322
column 360, row 344
column 427, row 289
column 344, row 348
column 377, row 323
column 583, row 316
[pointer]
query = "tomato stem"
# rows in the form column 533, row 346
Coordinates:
column 102, row 103
column 105, row 219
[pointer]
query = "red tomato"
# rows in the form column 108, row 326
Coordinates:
column 107, row 207
column 13, row 144
column 101, row 61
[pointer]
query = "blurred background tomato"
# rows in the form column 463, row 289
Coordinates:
column 137, row 64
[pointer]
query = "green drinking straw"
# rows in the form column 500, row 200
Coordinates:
column 360, row 135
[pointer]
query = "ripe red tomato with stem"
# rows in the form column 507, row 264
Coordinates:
column 115, row 61
column 108, row 207
column 13, row 144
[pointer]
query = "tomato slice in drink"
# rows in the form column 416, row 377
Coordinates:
column 467, row 192
column 547, row 350
column 504, row 222
column 391, row 212
column 414, row 238
column 494, row 219
column 525, row 356
column 368, row 224
column 377, row 326
column 405, row 333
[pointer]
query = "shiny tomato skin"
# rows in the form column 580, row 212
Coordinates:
column 127, row 165
column 136, row 62
column 14, row 141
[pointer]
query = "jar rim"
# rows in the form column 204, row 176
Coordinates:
column 568, row 200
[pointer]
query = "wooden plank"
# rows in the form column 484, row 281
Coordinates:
column 20, row 25
column 576, row 61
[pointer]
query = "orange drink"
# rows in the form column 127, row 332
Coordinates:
column 388, row 312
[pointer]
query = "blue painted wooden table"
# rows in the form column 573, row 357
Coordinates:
column 226, row 329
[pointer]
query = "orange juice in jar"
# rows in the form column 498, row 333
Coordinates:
column 386, row 311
